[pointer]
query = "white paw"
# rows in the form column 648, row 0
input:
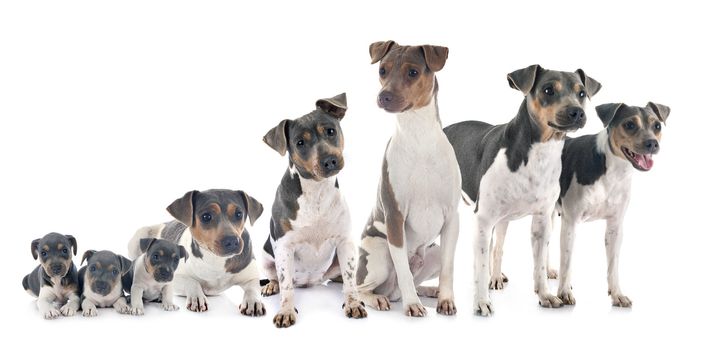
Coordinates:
column 197, row 303
column 270, row 288
column 137, row 311
column 90, row 312
column 483, row 308
column 498, row 282
column 252, row 307
column 68, row 310
column 354, row 309
column 285, row 318
column 621, row 300
column 123, row 309
column 169, row 307
column 566, row 297
column 376, row 301
column 549, row 301
column 53, row 313
column 446, row 307
column 552, row 274
column 415, row 310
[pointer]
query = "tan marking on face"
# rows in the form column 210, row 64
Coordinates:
column 307, row 136
column 211, row 237
column 311, row 164
column 286, row 225
column 60, row 246
column 148, row 267
column 577, row 87
column 45, row 247
column 162, row 253
column 619, row 137
column 174, row 255
column 412, row 92
column 320, row 130
column 544, row 115
column 558, row 86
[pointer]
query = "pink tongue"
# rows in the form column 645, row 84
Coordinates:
column 644, row 161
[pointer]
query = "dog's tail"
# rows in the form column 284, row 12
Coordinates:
column 263, row 282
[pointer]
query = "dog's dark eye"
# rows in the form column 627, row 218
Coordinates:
column 382, row 71
column 206, row 217
column 155, row 257
column 657, row 126
column 115, row 272
column 43, row 254
column 300, row 143
column 582, row 94
column 238, row 215
column 413, row 73
column 331, row 132
column 64, row 251
column 629, row 125
column 93, row 269
column 548, row 91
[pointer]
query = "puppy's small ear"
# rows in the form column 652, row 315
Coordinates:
column 277, row 137
column 33, row 248
column 335, row 106
column 379, row 49
column 661, row 111
column 87, row 256
column 607, row 112
column 145, row 244
column 435, row 56
column 254, row 208
column 73, row 243
column 592, row 86
column 524, row 79
column 125, row 264
column 182, row 209
column 183, row 253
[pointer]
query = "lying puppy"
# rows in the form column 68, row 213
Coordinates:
column 101, row 281
column 596, row 182
column 151, row 274
column 310, row 234
column 55, row 279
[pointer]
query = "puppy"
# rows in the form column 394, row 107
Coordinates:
column 151, row 274
column 55, row 279
column 310, row 234
column 101, row 282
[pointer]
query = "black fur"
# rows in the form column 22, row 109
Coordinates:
column 581, row 158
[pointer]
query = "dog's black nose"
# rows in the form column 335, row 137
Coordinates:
column 56, row 269
column 102, row 287
column 230, row 244
column 576, row 114
column 651, row 146
column 385, row 96
column 165, row 273
column 330, row 163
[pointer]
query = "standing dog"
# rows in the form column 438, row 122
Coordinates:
column 150, row 276
column 310, row 235
column 101, row 282
column 211, row 225
column 419, row 190
column 55, row 279
column 596, row 182
column 512, row 170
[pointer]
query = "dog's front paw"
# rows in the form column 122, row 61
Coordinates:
column 549, row 301
column 376, row 301
column 552, row 274
column 498, row 282
column 483, row 308
column 285, row 318
column 621, row 300
column 252, row 307
column 68, row 310
column 137, row 311
column 429, row 292
column 123, row 309
column 51, row 314
column 354, row 309
column 169, row 307
column 197, row 303
column 414, row 310
column 89, row 312
column 270, row 288
column 566, row 297
column 446, row 307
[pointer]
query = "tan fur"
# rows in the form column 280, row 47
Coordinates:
column 619, row 137
column 544, row 115
column 414, row 92
column 211, row 238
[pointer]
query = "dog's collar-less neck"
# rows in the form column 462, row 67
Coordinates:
column 524, row 120
column 417, row 121
column 603, row 145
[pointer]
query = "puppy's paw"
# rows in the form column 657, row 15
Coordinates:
column 123, row 309
column 170, row 307
column 549, row 301
column 446, row 307
column 498, row 282
column 483, row 307
column 285, row 318
column 376, row 301
column 354, row 309
column 414, row 310
column 566, row 297
column 251, row 307
column 51, row 314
column 621, row 300
column 552, row 274
column 68, row 310
column 197, row 303
column 270, row 288
column 137, row 311
column 89, row 312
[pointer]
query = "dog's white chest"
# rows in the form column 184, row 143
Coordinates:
column 606, row 197
column 532, row 189
column 209, row 271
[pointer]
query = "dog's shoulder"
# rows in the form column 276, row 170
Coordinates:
column 582, row 158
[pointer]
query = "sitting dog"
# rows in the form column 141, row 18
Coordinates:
column 150, row 276
column 101, row 282
column 55, row 279
column 309, row 234
column 211, row 225
column 512, row 170
column 596, row 182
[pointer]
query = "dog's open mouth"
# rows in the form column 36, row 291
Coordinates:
column 643, row 162
column 565, row 128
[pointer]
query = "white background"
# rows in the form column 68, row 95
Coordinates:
column 111, row 110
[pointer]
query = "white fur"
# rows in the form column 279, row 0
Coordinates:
column 145, row 287
column 115, row 298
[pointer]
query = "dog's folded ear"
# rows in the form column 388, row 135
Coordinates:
column 335, row 106
column 379, row 49
column 183, row 253
column 88, row 254
column 125, row 264
column 524, row 79
column 435, row 56
column 277, row 137
column 182, row 209
column 592, row 86
column 33, row 247
column 660, row 110
column 73, row 243
column 254, row 208
column 607, row 112
column 145, row 244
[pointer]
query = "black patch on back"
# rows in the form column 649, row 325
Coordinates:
column 285, row 203
column 581, row 157
column 173, row 231
column 238, row 262
column 195, row 249
column 128, row 278
column 268, row 244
